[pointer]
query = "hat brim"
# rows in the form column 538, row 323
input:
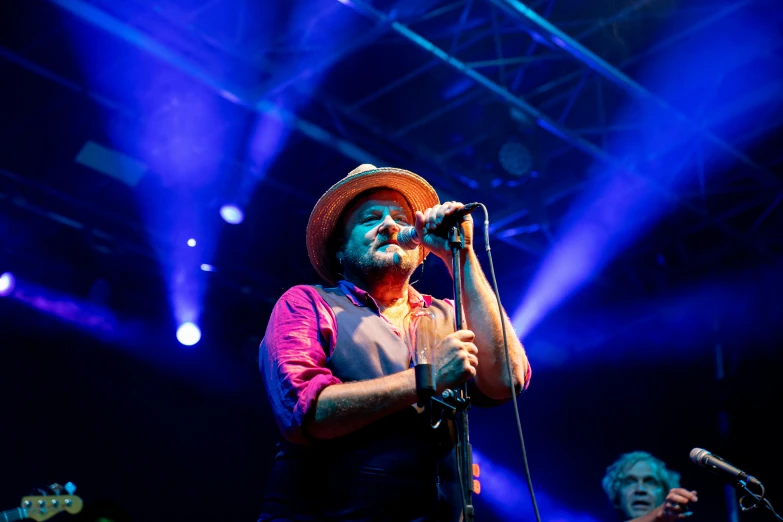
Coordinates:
column 327, row 211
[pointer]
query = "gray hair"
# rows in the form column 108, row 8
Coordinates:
column 616, row 472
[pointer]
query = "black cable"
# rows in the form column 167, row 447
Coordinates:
column 759, row 499
column 508, row 364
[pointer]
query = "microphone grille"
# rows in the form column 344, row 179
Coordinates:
column 407, row 238
column 697, row 454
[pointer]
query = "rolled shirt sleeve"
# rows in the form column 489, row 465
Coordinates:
column 302, row 330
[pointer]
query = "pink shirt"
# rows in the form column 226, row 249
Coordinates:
column 301, row 333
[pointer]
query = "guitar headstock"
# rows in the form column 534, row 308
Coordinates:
column 43, row 507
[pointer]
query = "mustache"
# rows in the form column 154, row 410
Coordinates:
column 387, row 240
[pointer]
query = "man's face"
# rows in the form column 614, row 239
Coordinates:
column 370, row 235
column 640, row 490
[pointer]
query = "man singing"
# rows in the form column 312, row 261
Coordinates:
column 338, row 369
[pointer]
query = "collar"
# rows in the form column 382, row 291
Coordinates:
column 361, row 297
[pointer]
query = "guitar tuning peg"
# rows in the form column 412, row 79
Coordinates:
column 56, row 488
column 70, row 487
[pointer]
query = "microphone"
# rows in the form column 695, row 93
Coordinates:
column 409, row 239
column 719, row 466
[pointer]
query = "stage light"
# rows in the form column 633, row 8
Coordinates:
column 7, row 283
column 188, row 334
column 207, row 268
column 232, row 214
column 515, row 158
column 191, row 242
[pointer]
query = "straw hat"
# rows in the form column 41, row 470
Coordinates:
column 326, row 214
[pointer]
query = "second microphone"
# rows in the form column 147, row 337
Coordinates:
column 409, row 239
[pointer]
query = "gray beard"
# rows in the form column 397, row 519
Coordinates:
column 367, row 268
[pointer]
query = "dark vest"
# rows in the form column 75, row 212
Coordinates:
column 366, row 345
column 397, row 468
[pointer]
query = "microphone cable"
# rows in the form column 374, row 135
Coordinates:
column 508, row 363
column 760, row 498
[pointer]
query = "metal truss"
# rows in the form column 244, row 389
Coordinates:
column 535, row 23
column 541, row 30
column 233, row 93
column 548, row 104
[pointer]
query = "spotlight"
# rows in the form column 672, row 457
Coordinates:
column 191, row 242
column 515, row 158
column 207, row 268
column 232, row 214
column 7, row 283
column 188, row 334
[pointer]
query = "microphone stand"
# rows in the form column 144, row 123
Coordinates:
column 453, row 404
column 462, row 400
